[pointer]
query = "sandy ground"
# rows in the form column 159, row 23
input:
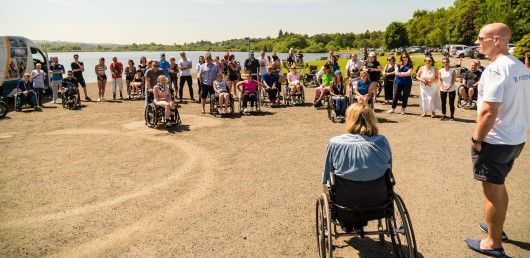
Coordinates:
column 97, row 181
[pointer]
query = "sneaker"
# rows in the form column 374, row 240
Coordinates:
column 98, row 100
column 244, row 110
column 88, row 98
column 251, row 109
column 402, row 111
column 391, row 111
column 423, row 114
column 452, row 118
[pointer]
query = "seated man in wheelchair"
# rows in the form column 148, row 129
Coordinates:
column 359, row 161
column 325, row 78
column 363, row 89
column 470, row 84
column 25, row 94
column 271, row 84
column 249, row 92
column 221, row 93
column 70, row 89
column 338, row 95
column 162, row 98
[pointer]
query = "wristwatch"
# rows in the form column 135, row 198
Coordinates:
column 475, row 141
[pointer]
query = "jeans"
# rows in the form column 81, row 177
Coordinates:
column 40, row 95
column 340, row 103
column 401, row 92
column 30, row 98
column 249, row 96
column 452, row 96
column 189, row 80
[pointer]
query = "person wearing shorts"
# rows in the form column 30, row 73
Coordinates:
column 207, row 75
column 503, row 107
column 78, row 68
column 470, row 84
column 100, row 69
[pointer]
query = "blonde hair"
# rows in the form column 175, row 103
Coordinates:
column 360, row 119
column 160, row 77
column 26, row 75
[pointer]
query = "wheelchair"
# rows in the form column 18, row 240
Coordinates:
column 70, row 98
column 257, row 102
column 21, row 102
column 3, row 107
column 332, row 108
column 294, row 98
column 154, row 115
column 137, row 94
column 460, row 99
column 265, row 96
column 214, row 105
column 309, row 79
column 393, row 219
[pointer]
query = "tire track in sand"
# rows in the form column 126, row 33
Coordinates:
column 189, row 164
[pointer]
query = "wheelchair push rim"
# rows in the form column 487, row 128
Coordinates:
column 150, row 116
column 323, row 221
column 400, row 229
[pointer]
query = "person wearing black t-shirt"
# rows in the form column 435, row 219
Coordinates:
column 78, row 68
column 373, row 67
column 252, row 66
column 71, row 81
column 470, row 83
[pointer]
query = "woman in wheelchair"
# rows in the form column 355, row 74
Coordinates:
column 248, row 92
column 138, row 83
column 293, row 78
column 364, row 89
column 326, row 77
column 25, row 93
column 359, row 161
column 162, row 98
column 221, row 92
column 338, row 95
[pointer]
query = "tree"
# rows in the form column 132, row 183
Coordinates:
column 280, row 33
column 396, row 35
column 522, row 47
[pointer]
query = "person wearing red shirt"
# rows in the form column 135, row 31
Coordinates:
column 116, row 68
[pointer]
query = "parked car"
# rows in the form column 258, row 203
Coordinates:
column 452, row 48
column 511, row 48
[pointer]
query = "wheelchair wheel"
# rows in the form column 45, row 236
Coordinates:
column 459, row 97
column 331, row 112
column 212, row 105
column 259, row 101
column 323, row 227
column 240, row 103
column 400, row 228
column 176, row 116
column 3, row 109
column 286, row 95
column 151, row 118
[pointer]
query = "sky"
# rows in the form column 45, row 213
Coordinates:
column 179, row 21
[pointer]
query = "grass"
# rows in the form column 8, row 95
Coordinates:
column 417, row 60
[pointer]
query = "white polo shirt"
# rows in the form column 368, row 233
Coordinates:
column 507, row 80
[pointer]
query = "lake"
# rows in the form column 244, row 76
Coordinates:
column 90, row 59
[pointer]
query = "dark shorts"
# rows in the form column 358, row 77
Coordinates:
column 206, row 90
column 81, row 81
column 493, row 163
column 102, row 77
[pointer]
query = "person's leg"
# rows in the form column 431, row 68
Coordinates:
column 318, row 92
column 495, row 207
column 190, row 86
column 405, row 96
column 103, row 85
column 181, row 86
column 244, row 98
column 113, row 87
column 55, row 89
column 463, row 93
column 452, row 96
column 200, row 88
column 252, row 100
column 120, row 86
column 398, row 89
column 443, row 96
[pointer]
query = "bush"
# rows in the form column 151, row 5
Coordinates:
column 522, row 47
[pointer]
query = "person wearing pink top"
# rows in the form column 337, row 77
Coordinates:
column 249, row 91
column 293, row 78
column 163, row 98
column 116, row 68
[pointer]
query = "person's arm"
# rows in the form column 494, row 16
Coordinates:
column 96, row 71
column 485, row 121
column 453, row 78
column 526, row 61
column 62, row 69
column 328, row 165
column 238, row 86
column 418, row 75
column 216, row 86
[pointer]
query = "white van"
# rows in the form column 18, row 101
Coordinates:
column 452, row 48
column 18, row 55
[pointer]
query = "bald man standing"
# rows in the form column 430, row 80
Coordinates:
column 503, row 108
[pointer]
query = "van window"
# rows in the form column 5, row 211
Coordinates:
column 39, row 57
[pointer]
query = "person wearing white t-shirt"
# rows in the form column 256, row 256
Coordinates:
column 447, row 88
column 503, row 107
column 353, row 67
column 263, row 63
column 185, row 66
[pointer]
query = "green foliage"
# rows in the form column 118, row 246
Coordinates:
column 396, row 35
column 522, row 47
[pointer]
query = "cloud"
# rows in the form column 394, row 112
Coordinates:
column 62, row 2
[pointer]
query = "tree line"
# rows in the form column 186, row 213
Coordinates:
column 457, row 24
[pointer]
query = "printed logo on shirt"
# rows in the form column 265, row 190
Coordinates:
column 524, row 77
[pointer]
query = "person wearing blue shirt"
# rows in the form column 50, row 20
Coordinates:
column 364, row 89
column 26, row 93
column 402, row 83
column 270, row 81
column 358, row 160
column 57, row 71
column 164, row 65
